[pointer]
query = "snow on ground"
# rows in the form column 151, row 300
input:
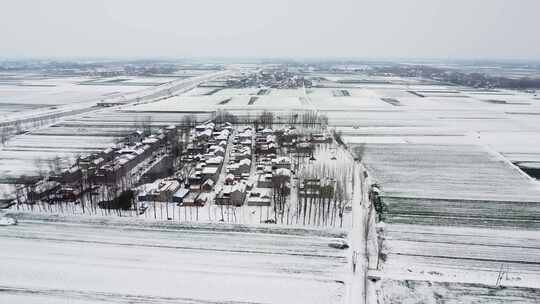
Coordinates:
column 458, row 210
column 462, row 254
column 126, row 262
column 220, row 101
column 229, row 92
column 410, row 291
column 460, row 172
column 48, row 92
column 199, row 91
column 26, row 155
column 436, row 156
column 21, row 153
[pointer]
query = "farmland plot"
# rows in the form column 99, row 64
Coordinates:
column 458, row 216
column 411, row 291
column 165, row 263
column 462, row 254
column 464, row 172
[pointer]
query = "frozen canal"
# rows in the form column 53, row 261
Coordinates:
column 85, row 261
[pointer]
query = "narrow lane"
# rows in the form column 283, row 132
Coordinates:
column 357, row 241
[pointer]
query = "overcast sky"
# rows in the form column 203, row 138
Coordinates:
column 505, row 29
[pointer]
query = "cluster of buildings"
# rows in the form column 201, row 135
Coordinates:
column 205, row 155
column 218, row 163
column 238, row 170
column 203, row 159
column 278, row 77
column 119, row 167
column 252, row 165
column 270, row 169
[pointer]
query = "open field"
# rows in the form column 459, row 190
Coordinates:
column 469, row 119
column 25, row 95
column 71, row 137
column 46, row 261
column 462, row 254
column 410, row 291
column 459, row 210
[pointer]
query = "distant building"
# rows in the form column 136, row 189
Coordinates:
column 259, row 198
column 179, row 196
column 281, row 162
column 232, row 195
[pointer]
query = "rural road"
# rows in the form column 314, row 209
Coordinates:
column 357, row 242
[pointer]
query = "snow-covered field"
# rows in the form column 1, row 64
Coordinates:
column 457, row 172
column 34, row 94
column 462, row 254
column 410, row 291
column 119, row 261
column 458, row 217
column 458, row 210
column 76, row 135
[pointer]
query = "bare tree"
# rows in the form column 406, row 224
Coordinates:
column 4, row 135
column 280, row 190
column 359, row 152
column 146, row 125
column 266, row 119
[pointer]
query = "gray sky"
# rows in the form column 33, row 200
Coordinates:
column 272, row 28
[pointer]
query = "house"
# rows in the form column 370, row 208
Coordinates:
column 195, row 178
column 267, row 169
column 166, row 189
column 259, row 198
column 267, row 131
column 68, row 194
column 304, row 148
column 195, row 149
column 245, row 142
column 204, row 127
column 208, row 185
column 178, row 196
column 288, row 136
column 241, row 153
column 216, row 161
column 320, row 138
column 195, row 187
column 281, row 162
column 135, row 137
column 264, row 181
column 211, row 173
column 204, row 135
column 246, row 134
column 217, row 150
column 194, row 200
column 232, row 195
column 266, row 148
column 229, row 179
column 43, row 189
column 243, row 166
column 221, row 136
column 71, row 176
